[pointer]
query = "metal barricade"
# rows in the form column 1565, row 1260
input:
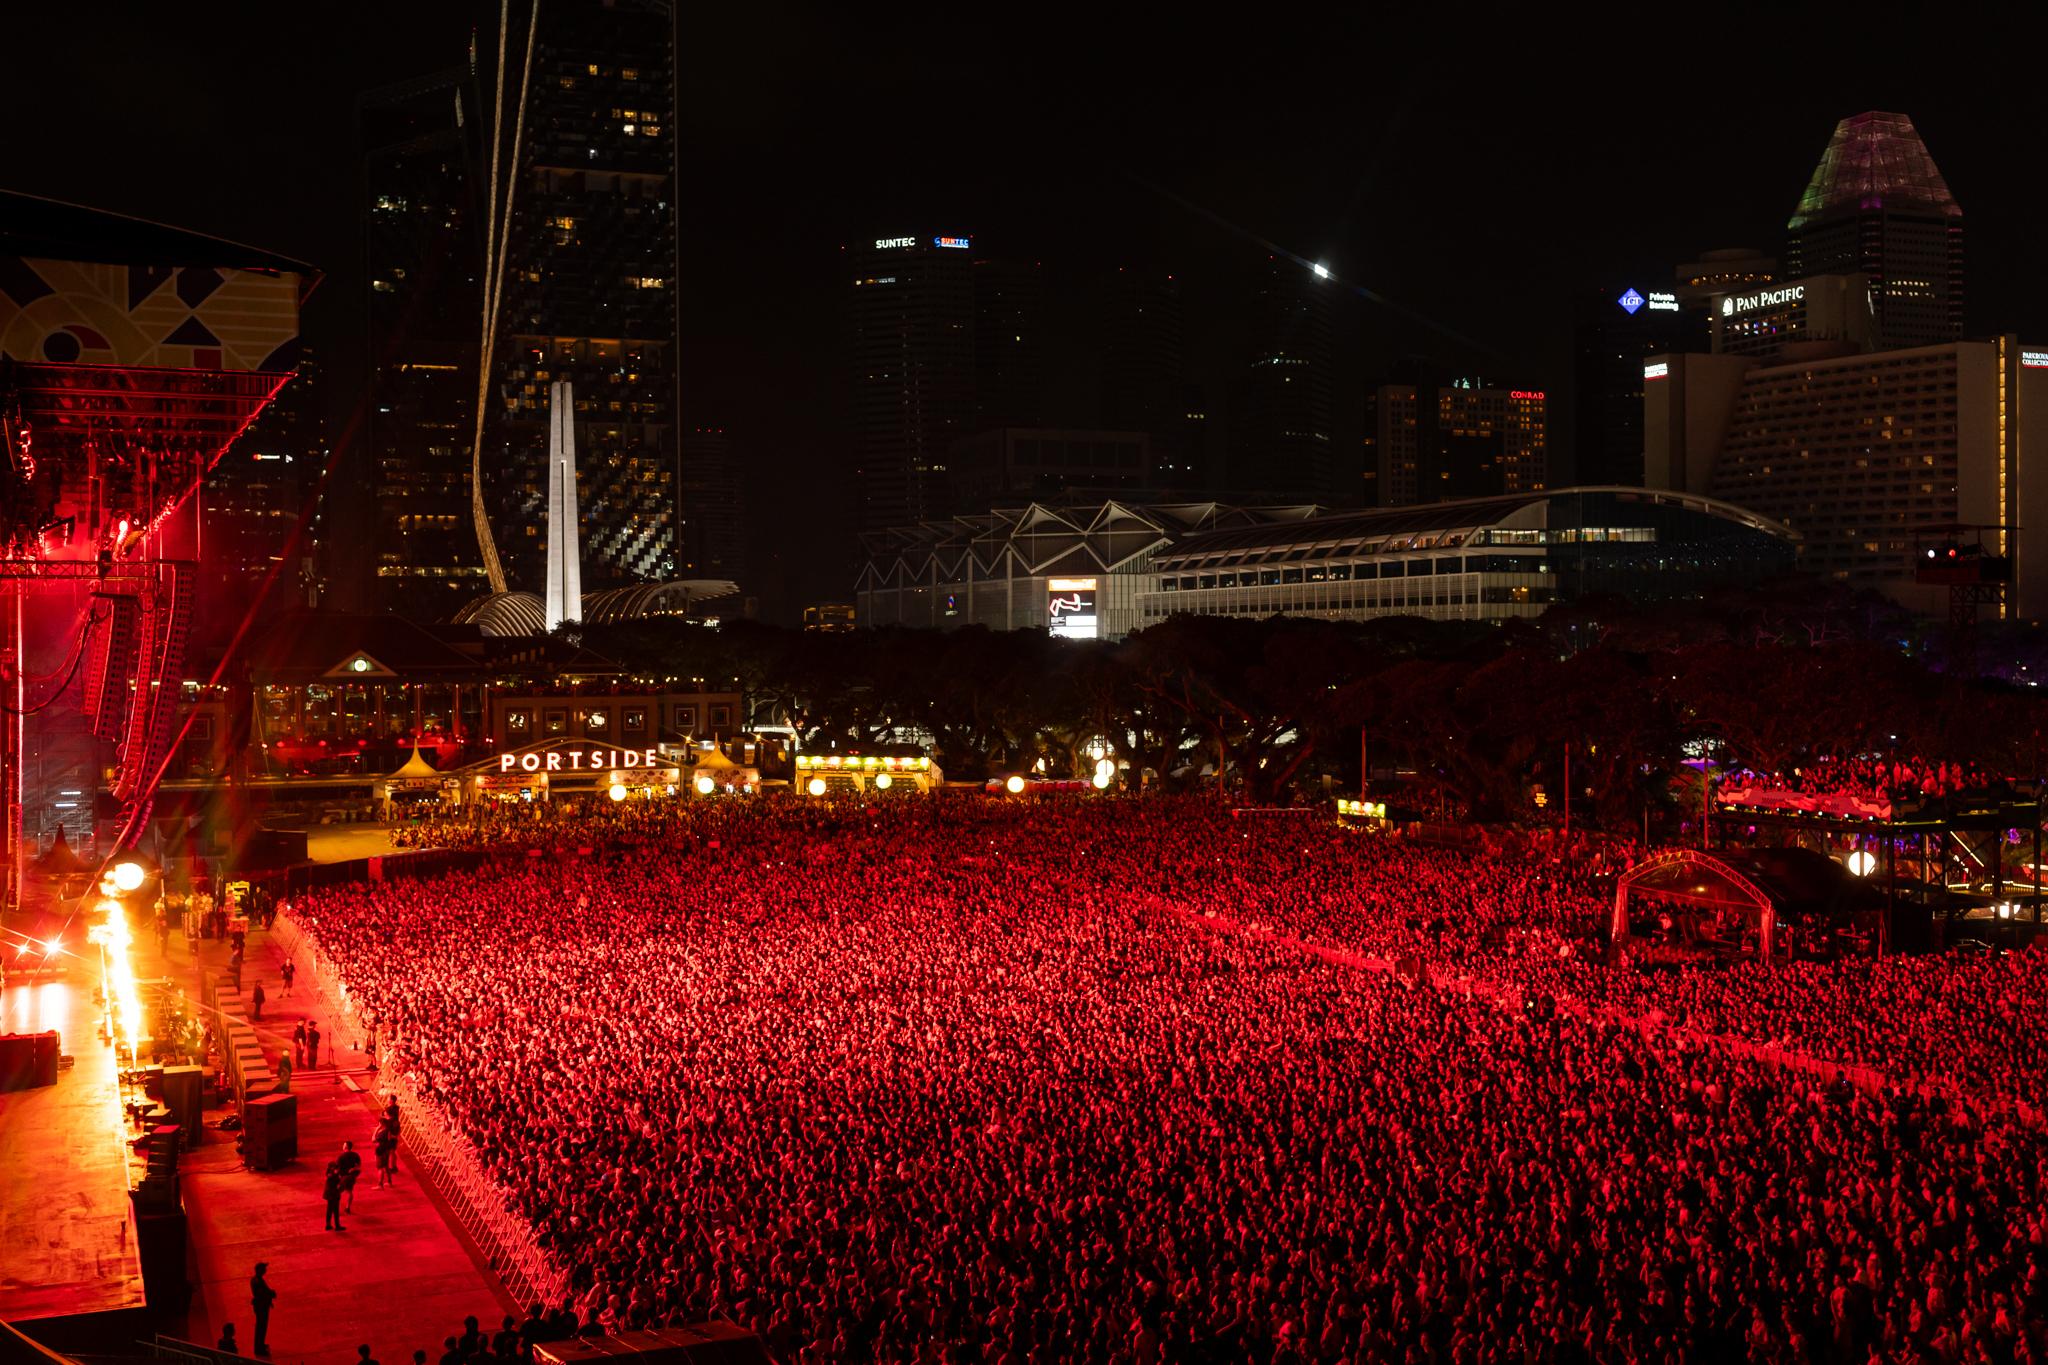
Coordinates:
column 444, row 1157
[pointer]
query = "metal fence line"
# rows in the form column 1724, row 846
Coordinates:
column 483, row 1207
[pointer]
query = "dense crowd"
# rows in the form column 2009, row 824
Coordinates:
column 966, row 1081
column 1869, row 778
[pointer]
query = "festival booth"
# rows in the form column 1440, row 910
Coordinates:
column 898, row 768
column 416, row 786
column 714, row 773
column 1758, row 903
column 563, row 766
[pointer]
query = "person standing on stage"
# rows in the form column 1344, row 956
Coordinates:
column 312, row 1044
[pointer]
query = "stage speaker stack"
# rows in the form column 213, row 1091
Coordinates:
column 184, row 1096
column 270, row 1131
column 28, row 1060
column 111, row 663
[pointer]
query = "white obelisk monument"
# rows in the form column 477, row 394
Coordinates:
column 565, row 542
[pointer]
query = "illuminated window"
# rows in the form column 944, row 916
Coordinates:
column 518, row 722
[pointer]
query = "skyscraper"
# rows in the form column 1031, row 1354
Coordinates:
column 249, row 504
column 1618, row 325
column 1283, row 439
column 587, row 296
column 1878, row 205
column 1434, row 438
column 1009, row 323
column 1144, row 386
column 912, row 324
column 422, row 263
column 713, row 510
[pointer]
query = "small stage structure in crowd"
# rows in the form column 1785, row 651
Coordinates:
column 1794, row 874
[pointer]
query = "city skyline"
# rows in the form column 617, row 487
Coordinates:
column 1289, row 150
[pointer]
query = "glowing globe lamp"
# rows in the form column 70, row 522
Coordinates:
column 1015, row 785
column 129, row 876
column 817, row 787
column 618, row 791
column 704, row 786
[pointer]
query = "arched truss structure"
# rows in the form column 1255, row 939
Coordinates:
column 1701, row 882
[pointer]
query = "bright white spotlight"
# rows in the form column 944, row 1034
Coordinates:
column 817, row 787
column 129, row 876
column 1014, row 785
column 618, row 791
column 704, row 786
column 883, row 781
column 1322, row 271
column 1862, row 863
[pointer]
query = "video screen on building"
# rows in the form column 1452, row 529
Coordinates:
column 1071, row 609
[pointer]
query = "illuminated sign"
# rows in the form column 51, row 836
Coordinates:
column 1523, row 393
column 885, row 243
column 1656, row 371
column 853, row 761
column 1663, row 303
column 1372, row 810
column 950, row 241
column 600, row 760
column 2034, row 360
column 1630, row 302
column 1070, row 613
column 1769, row 298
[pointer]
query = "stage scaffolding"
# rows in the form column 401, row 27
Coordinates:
column 1947, row 853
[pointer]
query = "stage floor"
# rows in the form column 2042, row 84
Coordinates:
column 69, row 1249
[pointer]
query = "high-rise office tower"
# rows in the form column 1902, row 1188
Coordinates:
column 1437, row 439
column 1731, row 270
column 1618, row 325
column 422, row 265
column 1878, row 205
column 1143, row 381
column 1009, row 313
column 1283, row 439
column 912, row 324
column 587, row 296
column 251, row 501
column 713, row 511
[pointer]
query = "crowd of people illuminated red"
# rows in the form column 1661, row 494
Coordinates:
column 980, row 1081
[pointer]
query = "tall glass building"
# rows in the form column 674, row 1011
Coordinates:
column 1877, row 204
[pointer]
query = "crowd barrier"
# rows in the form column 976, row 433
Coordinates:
column 439, row 1152
column 426, row 862
column 1510, row 996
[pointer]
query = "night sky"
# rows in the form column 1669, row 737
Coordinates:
column 1477, row 164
